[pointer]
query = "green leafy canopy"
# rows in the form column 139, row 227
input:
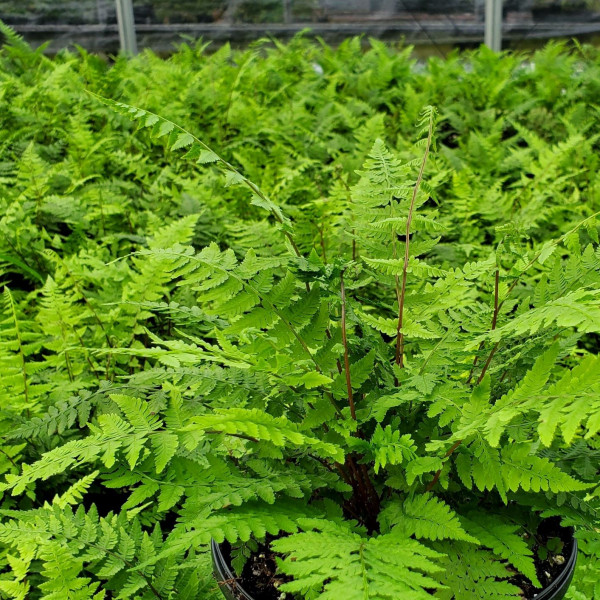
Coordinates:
column 369, row 344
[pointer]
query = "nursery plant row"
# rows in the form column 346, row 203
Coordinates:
column 324, row 321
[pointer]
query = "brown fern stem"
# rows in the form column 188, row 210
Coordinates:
column 365, row 500
column 10, row 459
column 345, row 342
column 487, row 363
column 399, row 332
column 364, row 490
column 498, row 306
column 436, row 477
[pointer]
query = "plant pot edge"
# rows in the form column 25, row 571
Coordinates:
column 233, row 591
column 224, row 576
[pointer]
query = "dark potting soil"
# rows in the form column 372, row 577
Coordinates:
column 547, row 569
column 260, row 579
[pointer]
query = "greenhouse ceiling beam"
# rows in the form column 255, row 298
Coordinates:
column 493, row 24
column 126, row 27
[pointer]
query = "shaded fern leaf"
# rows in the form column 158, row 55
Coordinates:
column 425, row 517
column 503, row 539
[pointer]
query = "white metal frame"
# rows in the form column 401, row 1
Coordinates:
column 126, row 26
column 493, row 24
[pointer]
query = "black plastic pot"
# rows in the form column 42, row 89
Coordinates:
column 233, row 591
column 558, row 588
column 224, row 576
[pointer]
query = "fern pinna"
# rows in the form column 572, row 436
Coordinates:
column 376, row 412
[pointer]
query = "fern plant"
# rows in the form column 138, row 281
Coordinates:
column 381, row 415
column 372, row 349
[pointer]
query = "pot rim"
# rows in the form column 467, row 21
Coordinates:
column 223, row 573
column 561, row 583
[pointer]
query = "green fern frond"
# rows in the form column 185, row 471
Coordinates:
column 331, row 560
column 389, row 447
column 179, row 138
column 258, row 426
column 473, row 574
column 425, row 517
column 502, row 538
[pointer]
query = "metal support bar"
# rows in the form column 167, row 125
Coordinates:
column 126, row 27
column 287, row 11
column 493, row 24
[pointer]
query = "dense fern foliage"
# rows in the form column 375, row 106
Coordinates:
column 268, row 292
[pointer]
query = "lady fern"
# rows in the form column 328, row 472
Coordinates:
column 373, row 347
column 278, row 319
